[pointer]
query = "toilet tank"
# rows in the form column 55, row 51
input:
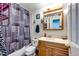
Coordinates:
column 34, row 42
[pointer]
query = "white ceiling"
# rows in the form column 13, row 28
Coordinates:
column 34, row 6
column 31, row 6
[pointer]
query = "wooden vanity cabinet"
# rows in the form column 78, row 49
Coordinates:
column 52, row 49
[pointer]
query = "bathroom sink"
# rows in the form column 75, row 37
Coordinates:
column 55, row 40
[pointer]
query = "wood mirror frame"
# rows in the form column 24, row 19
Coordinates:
column 48, row 13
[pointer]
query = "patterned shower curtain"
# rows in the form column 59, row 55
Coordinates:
column 14, row 28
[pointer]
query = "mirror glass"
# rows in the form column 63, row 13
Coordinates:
column 54, row 20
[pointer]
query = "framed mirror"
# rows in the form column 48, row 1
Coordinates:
column 53, row 20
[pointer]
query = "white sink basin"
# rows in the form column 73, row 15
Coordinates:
column 56, row 40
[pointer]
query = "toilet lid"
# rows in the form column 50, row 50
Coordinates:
column 30, row 48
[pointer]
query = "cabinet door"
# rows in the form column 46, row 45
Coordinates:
column 42, row 51
column 60, row 52
column 49, row 51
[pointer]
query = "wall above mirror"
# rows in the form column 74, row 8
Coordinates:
column 53, row 19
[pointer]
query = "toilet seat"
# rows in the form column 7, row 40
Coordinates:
column 30, row 48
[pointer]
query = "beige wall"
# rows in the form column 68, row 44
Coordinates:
column 53, row 33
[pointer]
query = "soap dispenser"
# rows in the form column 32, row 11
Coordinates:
column 45, row 34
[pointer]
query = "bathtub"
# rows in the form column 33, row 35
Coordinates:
column 74, row 51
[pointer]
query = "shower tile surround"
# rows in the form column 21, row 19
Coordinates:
column 16, row 30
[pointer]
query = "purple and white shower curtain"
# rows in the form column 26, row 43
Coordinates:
column 15, row 29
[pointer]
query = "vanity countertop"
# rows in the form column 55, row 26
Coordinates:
column 55, row 40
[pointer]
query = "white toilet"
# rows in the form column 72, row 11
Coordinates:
column 30, row 50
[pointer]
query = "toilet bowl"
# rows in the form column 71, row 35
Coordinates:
column 30, row 50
